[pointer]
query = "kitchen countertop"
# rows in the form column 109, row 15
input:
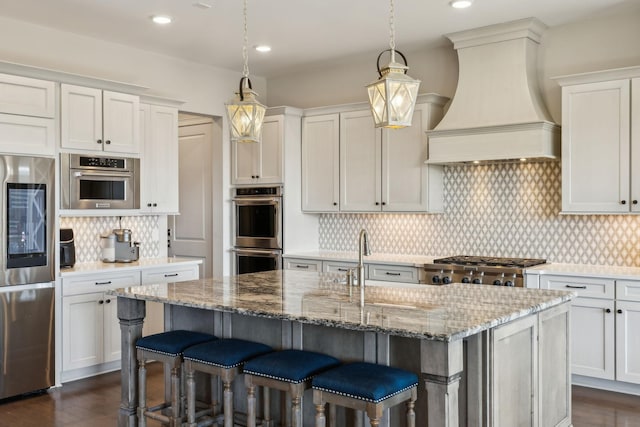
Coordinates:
column 587, row 270
column 143, row 263
column 396, row 259
column 443, row 313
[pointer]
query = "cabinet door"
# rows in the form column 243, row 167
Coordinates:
column 595, row 147
column 360, row 164
column 82, row 331
column 628, row 341
column 159, row 136
column 635, row 144
column 112, row 334
column 270, row 154
column 593, row 338
column 27, row 135
column 81, row 118
column 27, row 97
column 405, row 176
column 320, row 163
column 245, row 157
column 120, row 122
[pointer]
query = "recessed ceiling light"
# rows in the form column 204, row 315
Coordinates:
column 161, row 19
column 460, row 4
column 262, row 48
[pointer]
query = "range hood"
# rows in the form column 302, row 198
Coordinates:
column 497, row 113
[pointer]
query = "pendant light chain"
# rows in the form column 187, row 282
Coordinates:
column 392, row 28
column 245, row 53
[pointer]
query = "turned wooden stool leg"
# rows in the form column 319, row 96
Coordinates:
column 266, row 418
column 175, row 397
column 251, row 406
column 411, row 414
column 332, row 415
column 296, row 413
column 374, row 422
column 191, row 398
column 228, row 405
column 320, row 419
column 142, row 392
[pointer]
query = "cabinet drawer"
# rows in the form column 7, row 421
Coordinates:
column 337, row 266
column 302, row 264
column 173, row 274
column 26, row 96
column 628, row 290
column 393, row 273
column 590, row 287
column 99, row 282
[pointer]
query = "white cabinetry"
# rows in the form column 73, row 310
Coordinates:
column 261, row 162
column 350, row 166
column 601, row 141
column 90, row 327
column 27, row 115
column 96, row 120
column 302, row 264
column 605, row 321
column 159, row 162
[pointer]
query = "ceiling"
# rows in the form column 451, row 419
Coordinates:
column 302, row 33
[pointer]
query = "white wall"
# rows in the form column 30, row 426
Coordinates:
column 203, row 89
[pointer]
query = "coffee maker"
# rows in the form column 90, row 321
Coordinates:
column 118, row 247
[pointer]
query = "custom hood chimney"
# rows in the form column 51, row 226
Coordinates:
column 497, row 113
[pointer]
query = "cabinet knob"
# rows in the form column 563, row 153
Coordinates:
column 635, row 202
column 377, row 204
column 619, row 311
column 99, row 141
column 155, row 204
column 108, row 141
column 384, row 203
column 335, row 204
column 101, row 302
column 148, row 205
column 623, row 202
column 108, row 301
column 608, row 310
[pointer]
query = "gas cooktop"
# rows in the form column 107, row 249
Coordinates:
column 490, row 261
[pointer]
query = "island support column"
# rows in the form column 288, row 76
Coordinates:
column 441, row 365
column 131, row 313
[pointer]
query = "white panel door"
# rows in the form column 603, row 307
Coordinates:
column 161, row 154
column 635, row 145
column 82, row 332
column 112, row 335
column 270, row 161
column 27, row 135
column 120, row 122
column 593, row 338
column 595, row 147
column 81, row 117
column 245, row 157
column 360, row 163
column 321, row 163
column 628, row 341
column 26, row 96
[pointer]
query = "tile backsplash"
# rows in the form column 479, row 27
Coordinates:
column 87, row 232
column 507, row 209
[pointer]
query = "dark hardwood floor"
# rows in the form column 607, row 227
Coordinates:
column 94, row 402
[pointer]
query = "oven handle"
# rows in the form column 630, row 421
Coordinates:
column 102, row 174
column 257, row 251
column 254, row 200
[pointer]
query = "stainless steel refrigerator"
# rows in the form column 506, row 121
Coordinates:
column 26, row 274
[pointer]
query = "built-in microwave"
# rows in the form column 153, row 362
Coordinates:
column 93, row 182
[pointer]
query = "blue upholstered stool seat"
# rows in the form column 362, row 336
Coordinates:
column 365, row 381
column 365, row 387
column 172, row 343
column 223, row 358
column 292, row 366
column 289, row 371
column 225, row 353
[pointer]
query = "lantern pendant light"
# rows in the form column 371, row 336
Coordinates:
column 392, row 97
column 244, row 111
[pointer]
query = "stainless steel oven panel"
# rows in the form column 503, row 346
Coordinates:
column 255, row 260
column 242, row 206
column 71, row 173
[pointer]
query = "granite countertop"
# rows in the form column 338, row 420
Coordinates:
column 442, row 313
column 143, row 263
column 397, row 259
column 587, row 270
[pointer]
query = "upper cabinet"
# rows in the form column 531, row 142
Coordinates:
column 601, row 142
column 262, row 162
column 159, row 159
column 350, row 166
column 27, row 115
column 97, row 120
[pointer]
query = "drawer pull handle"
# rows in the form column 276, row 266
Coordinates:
column 576, row 287
column 343, row 269
column 104, row 283
column 388, row 273
column 171, row 275
column 301, row 266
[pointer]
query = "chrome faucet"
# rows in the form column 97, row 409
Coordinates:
column 363, row 250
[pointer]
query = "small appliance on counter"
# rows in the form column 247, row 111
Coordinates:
column 67, row 248
column 118, row 247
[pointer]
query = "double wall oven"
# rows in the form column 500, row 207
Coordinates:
column 258, row 229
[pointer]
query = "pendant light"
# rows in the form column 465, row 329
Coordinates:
column 392, row 97
column 244, row 111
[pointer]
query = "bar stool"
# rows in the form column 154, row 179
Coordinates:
column 166, row 347
column 287, row 370
column 223, row 358
column 365, row 387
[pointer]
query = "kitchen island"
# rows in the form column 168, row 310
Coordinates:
column 486, row 356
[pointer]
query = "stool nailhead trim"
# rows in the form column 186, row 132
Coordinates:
column 362, row 398
column 273, row 377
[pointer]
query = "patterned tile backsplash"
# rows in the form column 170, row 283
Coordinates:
column 506, row 209
column 87, row 232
